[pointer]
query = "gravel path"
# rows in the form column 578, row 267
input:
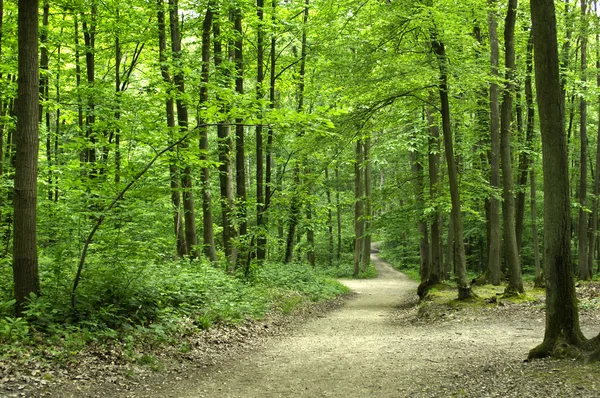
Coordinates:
column 375, row 346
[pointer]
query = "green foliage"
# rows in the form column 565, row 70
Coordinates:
column 345, row 269
column 158, row 303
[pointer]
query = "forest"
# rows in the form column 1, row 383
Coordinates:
column 169, row 167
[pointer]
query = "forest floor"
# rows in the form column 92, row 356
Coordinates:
column 377, row 343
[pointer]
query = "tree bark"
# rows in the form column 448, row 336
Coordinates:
column 435, row 271
column 338, row 214
column 330, row 247
column 45, row 94
column 562, row 318
column 594, row 215
column 296, row 199
column 422, row 224
column 513, row 262
column 460, row 261
column 582, row 247
column 359, row 225
column 25, row 258
column 260, row 190
column 539, row 278
column 89, row 38
column 240, row 151
column 191, row 239
column 366, row 256
column 494, row 240
column 225, row 147
column 170, row 113
column 209, row 247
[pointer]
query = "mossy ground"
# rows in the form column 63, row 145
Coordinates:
column 443, row 297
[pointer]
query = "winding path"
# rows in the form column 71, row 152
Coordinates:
column 370, row 347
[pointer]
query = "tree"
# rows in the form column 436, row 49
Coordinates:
column 494, row 243
column 460, row 265
column 191, row 239
column 25, row 256
column 207, row 219
column 562, row 318
column 584, row 268
column 170, row 114
column 515, row 283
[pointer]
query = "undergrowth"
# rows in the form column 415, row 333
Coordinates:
column 152, row 304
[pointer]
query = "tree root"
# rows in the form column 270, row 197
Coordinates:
column 564, row 348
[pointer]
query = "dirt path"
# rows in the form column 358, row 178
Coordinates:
column 372, row 347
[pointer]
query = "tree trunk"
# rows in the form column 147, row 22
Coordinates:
column 494, row 239
column 45, row 94
column 25, row 258
column 582, row 257
column 170, row 113
column 525, row 157
column 209, row 247
column 460, row 261
column 594, row 215
column 359, row 225
column 330, row 247
column 89, row 38
column 513, row 263
column 240, row 153
column 260, row 190
column 310, row 236
column 225, row 147
column 338, row 215
column 296, row 200
column 562, row 318
column 191, row 239
column 539, row 278
column 366, row 257
column 422, row 224
column 294, row 215
column 435, row 271
column 269, row 149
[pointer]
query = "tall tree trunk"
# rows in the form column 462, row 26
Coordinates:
column 208, row 232
column 330, row 247
column 562, row 318
column 525, row 157
column 513, row 263
column 539, row 279
column 366, row 257
column 58, row 115
column 422, row 224
column 240, row 170
column 225, row 147
column 45, row 94
column 260, row 190
column 435, row 271
column 191, row 239
column 494, row 239
column 359, row 224
column 89, row 38
column 269, row 149
column 338, row 214
column 25, row 258
column 294, row 215
column 594, row 215
column 296, row 199
column 310, row 236
column 460, row 261
column 170, row 113
column 584, row 269
column 83, row 151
